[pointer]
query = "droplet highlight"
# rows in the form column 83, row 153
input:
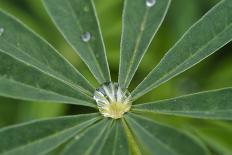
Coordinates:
column 86, row 37
column 112, row 100
column 1, row 31
column 150, row 3
column 86, row 9
column 77, row 137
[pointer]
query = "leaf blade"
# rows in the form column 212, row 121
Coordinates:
column 137, row 33
column 214, row 29
column 205, row 105
column 81, row 19
column 89, row 136
column 117, row 139
column 46, row 135
column 155, row 138
column 22, row 52
column 21, row 81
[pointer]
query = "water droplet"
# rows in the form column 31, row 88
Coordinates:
column 1, row 31
column 112, row 100
column 86, row 9
column 77, row 137
column 86, row 37
column 150, row 3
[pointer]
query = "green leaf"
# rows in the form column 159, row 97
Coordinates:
column 138, row 31
column 154, row 138
column 117, row 140
column 216, row 136
column 42, row 136
column 77, row 19
column 31, row 69
column 21, row 81
column 214, row 104
column 210, row 33
column 105, row 137
column 89, row 141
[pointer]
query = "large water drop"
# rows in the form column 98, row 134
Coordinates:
column 112, row 100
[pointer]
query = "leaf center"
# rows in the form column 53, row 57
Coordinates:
column 112, row 100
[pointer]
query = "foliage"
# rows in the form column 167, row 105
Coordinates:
column 31, row 69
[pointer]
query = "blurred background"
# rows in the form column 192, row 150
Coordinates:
column 215, row 72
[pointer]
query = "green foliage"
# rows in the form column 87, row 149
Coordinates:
column 78, row 21
column 31, row 69
column 210, row 33
column 209, row 105
column 138, row 32
column 42, row 136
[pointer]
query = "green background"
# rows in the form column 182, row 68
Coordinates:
column 214, row 72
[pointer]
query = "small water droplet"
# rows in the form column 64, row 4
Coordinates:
column 150, row 3
column 86, row 37
column 86, row 9
column 77, row 137
column 1, row 31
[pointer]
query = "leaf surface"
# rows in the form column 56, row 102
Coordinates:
column 84, row 143
column 205, row 105
column 106, row 137
column 216, row 136
column 39, row 137
column 140, row 24
column 209, row 34
column 77, row 21
column 116, row 143
column 21, row 81
column 154, row 138
column 29, row 64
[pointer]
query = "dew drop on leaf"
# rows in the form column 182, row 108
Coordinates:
column 112, row 100
column 150, row 3
column 86, row 9
column 86, row 37
column 77, row 137
column 1, row 31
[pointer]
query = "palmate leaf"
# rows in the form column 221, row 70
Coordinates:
column 42, row 136
column 90, row 134
column 140, row 24
column 77, row 21
column 31, row 69
column 154, row 138
column 205, row 37
column 37, row 72
column 206, row 105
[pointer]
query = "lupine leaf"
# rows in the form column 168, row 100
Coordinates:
column 210, row 33
column 116, row 142
column 216, row 136
column 140, row 24
column 89, row 141
column 77, row 19
column 106, row 137
column 21, row 81
column 42, row 136
column 154, row 138
column 206, row 105
column 31, row 69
